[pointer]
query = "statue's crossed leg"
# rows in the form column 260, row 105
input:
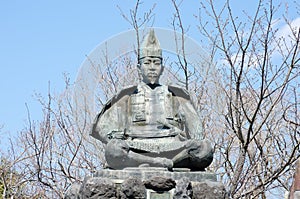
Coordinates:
column 195, row 155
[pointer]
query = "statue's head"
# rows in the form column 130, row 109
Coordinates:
column 150, row 60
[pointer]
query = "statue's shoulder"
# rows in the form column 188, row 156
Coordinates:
column 127, row 91
column 179, row 91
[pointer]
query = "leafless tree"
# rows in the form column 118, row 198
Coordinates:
column 258, row 145
column 138, row 22
column 249, row 107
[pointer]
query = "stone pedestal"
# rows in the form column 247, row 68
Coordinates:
column 149, row 183
column 145, row 173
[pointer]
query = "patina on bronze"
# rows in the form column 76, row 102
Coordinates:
column 152, row 124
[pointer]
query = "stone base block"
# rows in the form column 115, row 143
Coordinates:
column 208, row 190
column 145, row 173
column 148, row 183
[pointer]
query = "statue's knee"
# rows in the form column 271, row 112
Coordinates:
column 116, row 148
column 200, row 154
column 206, row 145
column 200, row 148
column 193, row 144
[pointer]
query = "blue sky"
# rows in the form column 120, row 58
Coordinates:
column 42, row 40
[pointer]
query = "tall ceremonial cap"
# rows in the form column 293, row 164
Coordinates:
column 150, row 46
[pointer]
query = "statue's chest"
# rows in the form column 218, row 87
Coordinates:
column 149, row 106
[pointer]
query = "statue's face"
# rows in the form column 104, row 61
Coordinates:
column 151, row 69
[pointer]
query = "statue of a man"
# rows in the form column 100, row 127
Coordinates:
column 151, row 124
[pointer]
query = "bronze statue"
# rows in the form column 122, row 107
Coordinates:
column 151, row 124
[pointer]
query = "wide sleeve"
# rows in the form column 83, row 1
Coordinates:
column 192, row 123
column 111, row 121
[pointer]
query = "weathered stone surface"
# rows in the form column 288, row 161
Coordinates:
column 209, row 190
column 132, row 188
column 94, row 188
column 155, row 187
column 159, row 183
column 73, row 191
column 183, row 189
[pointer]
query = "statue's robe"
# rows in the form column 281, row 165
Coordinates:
column 154, row 120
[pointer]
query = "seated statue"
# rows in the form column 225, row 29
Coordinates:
column 151, row 124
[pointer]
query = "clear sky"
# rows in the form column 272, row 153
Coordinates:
column 42, row 40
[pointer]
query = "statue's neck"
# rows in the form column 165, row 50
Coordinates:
column 153, row 86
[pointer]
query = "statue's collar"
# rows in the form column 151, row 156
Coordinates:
column 153, row 86
column 149, row 86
